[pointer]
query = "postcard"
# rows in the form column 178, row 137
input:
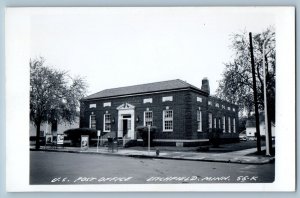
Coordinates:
column 109, row 99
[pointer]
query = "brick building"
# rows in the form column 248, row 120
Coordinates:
column 183, row 114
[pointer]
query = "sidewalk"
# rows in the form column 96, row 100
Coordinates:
column 227, row 157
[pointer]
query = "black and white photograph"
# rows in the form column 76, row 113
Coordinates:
column 182, row 97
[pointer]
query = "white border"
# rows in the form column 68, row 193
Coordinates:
column 17, row 97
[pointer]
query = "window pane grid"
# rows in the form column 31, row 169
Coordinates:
column 168, row 120
column 107, row 122
column 234, row 129
column 168, row 125
column 199, row 120
column 223, row 124
column 93, row 121
column 229, row 125
column 210, row 120
column 148, row 118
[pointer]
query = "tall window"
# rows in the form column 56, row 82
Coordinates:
column 148, row 118
column 92, row 121
column 168, row 120
column 199, row 120
column 210, row 120
column 107, row 123
column 234, row 129
column 215, row 123
column 219, row 126
column 229, row 125
column 223, row 124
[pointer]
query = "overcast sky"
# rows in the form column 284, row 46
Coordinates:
column 114, row 47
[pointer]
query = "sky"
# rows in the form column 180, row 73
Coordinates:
column 116, row 47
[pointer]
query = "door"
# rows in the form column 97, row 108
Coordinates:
column 125, row 127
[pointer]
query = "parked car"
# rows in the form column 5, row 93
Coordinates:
column 243, row 136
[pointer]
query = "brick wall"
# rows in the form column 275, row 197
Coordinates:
column 184, row 106
column 178, row 105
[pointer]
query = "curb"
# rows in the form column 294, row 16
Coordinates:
column 235, row 161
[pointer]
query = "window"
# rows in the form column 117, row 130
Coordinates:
column 209, row 103
column 234, row 129
column 199, row 120
column 167, row 98
column 199, row 99
column 217, row 105
column 92, row 121
column 148, row 118
column 215, row 123
column 223, row 124
column 147, row 100
column 107, row 104
column 219, row 123
column 228, row 108
column 223, row 106
column 210, row 120
column 168, row 120
column 107, row 123
column 229, row 125
column 233, row 109
column 93, row 105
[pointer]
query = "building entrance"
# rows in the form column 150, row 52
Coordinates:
column 126, row 124
column 126, row 121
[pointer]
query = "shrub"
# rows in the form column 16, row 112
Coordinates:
column 75, row 134
column 143, row 133
column 215, row 137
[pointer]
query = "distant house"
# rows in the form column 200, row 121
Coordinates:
column 251, row 126
column 183, row 114
column 52, row 128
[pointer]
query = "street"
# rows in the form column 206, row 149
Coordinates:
column 77, row 168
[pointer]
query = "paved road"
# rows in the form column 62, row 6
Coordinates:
column 76, row 168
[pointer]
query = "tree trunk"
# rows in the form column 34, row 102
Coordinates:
column 269, row 132
column 37, row 138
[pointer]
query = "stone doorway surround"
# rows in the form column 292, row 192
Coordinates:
column 126, row 109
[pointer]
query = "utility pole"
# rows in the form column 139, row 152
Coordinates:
column 266, row 102
column 255, row 97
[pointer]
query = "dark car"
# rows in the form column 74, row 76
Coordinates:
column 243, row 136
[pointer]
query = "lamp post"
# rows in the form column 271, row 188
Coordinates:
column 98, row 134
column 149, row 139
column 265, row 101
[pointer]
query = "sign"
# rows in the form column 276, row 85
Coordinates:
column 98, row 133
column 84, row 142
column 60, row 139
column 49, row 139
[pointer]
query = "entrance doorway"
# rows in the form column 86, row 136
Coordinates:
column 125, row 127
column 126, row 119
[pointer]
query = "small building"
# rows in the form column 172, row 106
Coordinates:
column 52, row 128
column 183, row 114
column 251, row 127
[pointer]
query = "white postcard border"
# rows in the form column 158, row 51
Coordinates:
column 17, row 108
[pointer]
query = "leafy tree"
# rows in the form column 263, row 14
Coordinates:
column 54, row 95
column 237, row 83
column 242, row 123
